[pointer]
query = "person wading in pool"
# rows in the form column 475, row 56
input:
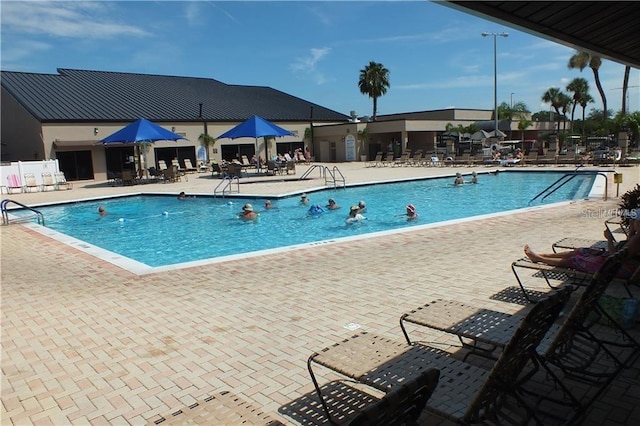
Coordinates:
column 411, row 213
column 332, row 204
column 354, row 215
column 248, row 213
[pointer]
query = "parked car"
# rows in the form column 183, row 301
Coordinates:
column 602, row 152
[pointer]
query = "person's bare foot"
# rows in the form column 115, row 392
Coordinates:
column 531, row 254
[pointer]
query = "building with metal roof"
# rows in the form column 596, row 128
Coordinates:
column 64, row 115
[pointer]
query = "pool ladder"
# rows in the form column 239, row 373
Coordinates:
column 226, row 186
column 5, row 212
column 566, row 178
column 332, row 177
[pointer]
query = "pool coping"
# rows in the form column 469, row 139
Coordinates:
column 139, row 268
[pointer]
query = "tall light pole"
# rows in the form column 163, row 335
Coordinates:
column 495, row 77
column 511, row 116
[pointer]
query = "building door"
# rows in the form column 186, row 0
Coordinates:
column 120, row 158
column 76, row 165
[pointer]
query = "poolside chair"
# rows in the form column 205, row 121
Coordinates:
column 435, row 161
column 188, row 166
column 223, row 408
column 61, row 181
column 463, row 160
column 403, row 160
column 388, row 159
column 216, row 170
column 162, row 165
column 127, row 177
column 246, row 163
column 465, row 393
column 234, row 170
column 376, row 161
column 113, row 179
column 572, row 276
column 614, row 225
column 416, row 159
column 175, row 163
column 203, row 166
column 291, row 167
column 13, row 184
column 48, row 181
column 572, row 346
column 30, row 182
column 550, row 158
column 403, row 405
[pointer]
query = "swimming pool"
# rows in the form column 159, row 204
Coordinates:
column 158, row 231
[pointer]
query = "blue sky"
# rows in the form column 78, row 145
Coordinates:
column 313, row 50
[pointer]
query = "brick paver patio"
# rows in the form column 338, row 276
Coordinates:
column 84, row 342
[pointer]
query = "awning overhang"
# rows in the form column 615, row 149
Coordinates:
column 75, row 144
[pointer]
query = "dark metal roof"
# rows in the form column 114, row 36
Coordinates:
column 609, row 29
column 80, row 95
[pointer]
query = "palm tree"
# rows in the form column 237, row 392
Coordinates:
column 374, row 82
column 625, row 87
column 511, row 112
column 523, row 125
column 584, row 101
column 565, row 103
column 552, row 96
column 206, row 141
column 580, row 88
column 581, row 60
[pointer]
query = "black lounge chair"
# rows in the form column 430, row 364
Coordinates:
column 465, row 393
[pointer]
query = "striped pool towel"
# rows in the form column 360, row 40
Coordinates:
column 14, row 182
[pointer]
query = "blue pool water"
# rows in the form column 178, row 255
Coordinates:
column 162, row 230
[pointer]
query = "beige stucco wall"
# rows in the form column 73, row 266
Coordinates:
column 85, row 133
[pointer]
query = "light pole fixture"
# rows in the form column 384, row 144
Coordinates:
column 495, row 77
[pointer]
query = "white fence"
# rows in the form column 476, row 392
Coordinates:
column 20, row 168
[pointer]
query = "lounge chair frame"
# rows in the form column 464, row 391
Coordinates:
column 575, row 277
column 465, row 393
column 223, row 408
column 572, row 347
column 61, row 181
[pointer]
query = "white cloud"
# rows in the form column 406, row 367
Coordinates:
column 64, row 19
column 307, row 65
column 18, row 53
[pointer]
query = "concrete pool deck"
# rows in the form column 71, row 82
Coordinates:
column 85, row 342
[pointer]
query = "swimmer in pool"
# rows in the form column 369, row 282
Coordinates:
column 332, row 204
column 248, row 213
column 354, row 215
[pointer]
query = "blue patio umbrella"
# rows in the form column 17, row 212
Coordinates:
column 256, row 127
column 141, row 130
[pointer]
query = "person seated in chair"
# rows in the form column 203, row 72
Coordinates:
column 589, row 260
